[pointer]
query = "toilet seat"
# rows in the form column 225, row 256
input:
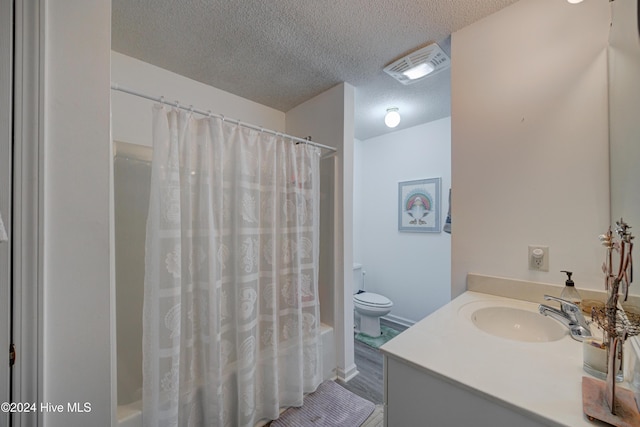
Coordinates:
column 372, row 300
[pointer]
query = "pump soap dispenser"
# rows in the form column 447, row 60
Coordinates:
column 570, row 293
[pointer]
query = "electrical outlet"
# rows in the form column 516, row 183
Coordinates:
column 538, row 258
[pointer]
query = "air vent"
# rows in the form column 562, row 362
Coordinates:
column 420, row 61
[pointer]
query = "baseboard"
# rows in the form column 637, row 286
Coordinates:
column 345, row 375
column 399, row 320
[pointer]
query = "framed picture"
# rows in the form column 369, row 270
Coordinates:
column 419, row 206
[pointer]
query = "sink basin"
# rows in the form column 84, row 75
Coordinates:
column 517, row 324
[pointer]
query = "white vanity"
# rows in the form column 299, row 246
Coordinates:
column 445, row 371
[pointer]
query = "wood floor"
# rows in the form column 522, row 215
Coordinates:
column 369, row 383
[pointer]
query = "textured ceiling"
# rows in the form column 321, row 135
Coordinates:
column 282, row 53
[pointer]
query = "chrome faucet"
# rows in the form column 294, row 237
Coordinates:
column 569, row 315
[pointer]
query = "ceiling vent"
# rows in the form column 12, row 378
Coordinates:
column 419, row 65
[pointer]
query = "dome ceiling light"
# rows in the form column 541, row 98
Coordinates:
column 392, row 118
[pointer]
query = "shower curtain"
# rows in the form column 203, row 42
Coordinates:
column 231, row 320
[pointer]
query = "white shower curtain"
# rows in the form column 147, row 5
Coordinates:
column 231, row 317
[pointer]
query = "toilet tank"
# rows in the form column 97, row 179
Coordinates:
column 358, row 279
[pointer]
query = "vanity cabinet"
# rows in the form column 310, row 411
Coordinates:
column 444, row 371
column 415, row 397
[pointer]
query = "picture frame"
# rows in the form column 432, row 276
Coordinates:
column 419, row 205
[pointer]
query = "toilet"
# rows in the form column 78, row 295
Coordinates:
column 369, row 306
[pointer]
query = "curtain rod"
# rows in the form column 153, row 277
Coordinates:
column 115, row 86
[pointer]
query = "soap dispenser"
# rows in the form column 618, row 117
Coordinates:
column 570, row 293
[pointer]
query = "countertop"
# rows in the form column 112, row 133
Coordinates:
column 543, row 380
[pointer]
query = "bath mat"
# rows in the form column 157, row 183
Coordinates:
column 329, row 406
column 387, row 334
column 376, row 419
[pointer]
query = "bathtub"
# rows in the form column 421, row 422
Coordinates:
column 130, row 415
column 328, row 352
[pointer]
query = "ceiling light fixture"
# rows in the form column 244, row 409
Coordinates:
column 574, row 1
column 419, row 71
column 392, row 118
column 419, row 64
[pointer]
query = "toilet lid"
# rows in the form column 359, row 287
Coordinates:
column 370, row 298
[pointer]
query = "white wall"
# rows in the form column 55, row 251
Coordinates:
column 411, row 269
column 530, row 141
column 357, row 204
column 131, row 115
column 77, row 336
column 328, row 119
column 624, row 101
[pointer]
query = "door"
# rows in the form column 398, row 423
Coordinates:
column 6, row 103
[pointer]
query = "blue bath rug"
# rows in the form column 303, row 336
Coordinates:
column 331, row 405
column 376, row 342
